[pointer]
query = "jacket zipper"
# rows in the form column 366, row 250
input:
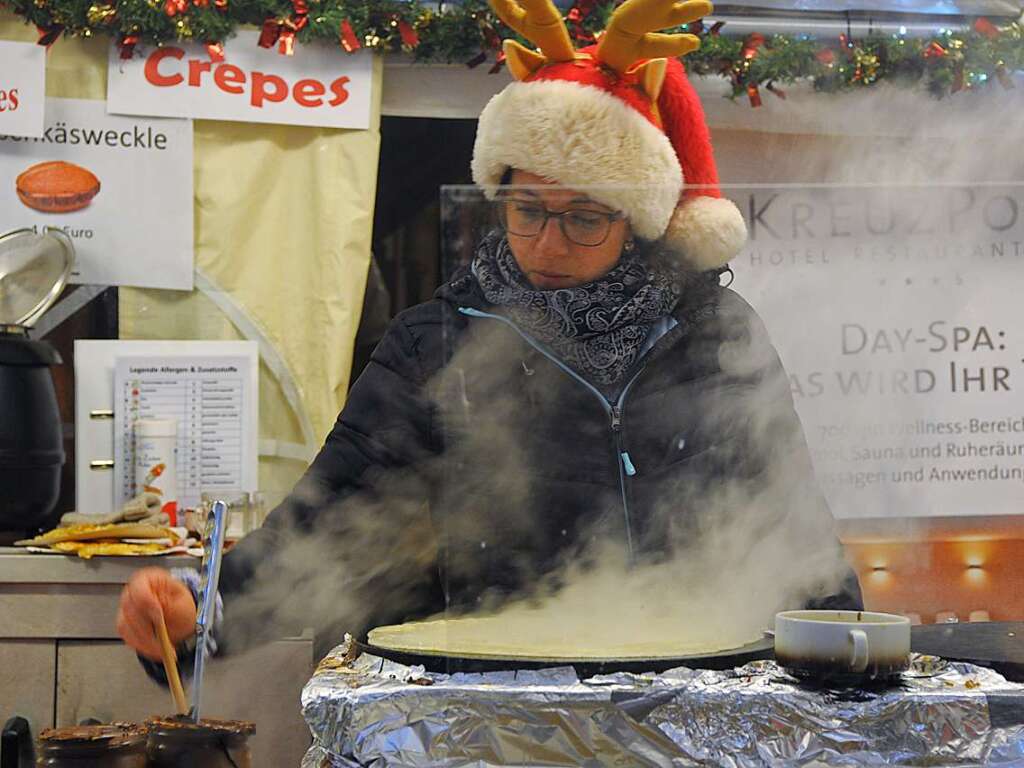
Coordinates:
column 614, row 412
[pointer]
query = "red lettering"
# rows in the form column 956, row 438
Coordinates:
column 13, row 96
column 3, row 98
column 308, row 92
column 229, row 78
column 338, row 89
column 152, row 68
column 195, row 71
column 260, row 81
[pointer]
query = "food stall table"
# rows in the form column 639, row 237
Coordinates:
column 365, row 710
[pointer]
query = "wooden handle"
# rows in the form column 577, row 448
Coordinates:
column 171, row 667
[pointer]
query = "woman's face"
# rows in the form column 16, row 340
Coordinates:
column 549, row 259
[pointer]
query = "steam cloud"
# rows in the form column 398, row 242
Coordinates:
column 715, row 561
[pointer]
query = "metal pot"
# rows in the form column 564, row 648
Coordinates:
column 118, row 745
column 34, row 268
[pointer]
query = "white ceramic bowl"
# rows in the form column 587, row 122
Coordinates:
column 833, row 644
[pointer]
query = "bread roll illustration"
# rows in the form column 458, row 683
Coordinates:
column 57, row 187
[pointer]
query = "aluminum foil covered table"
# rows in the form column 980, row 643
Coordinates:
column 368, row 711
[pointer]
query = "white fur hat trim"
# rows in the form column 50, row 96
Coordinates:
column 708, row 231
column 584, row 139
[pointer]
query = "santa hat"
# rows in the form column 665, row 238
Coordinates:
column 614, row 120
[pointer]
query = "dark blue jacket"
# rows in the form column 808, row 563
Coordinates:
column 468, row 463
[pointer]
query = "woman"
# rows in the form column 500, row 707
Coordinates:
column 584, row 386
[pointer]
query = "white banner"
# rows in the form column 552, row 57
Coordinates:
column 897, row 313
column 120, row 187
column 319, row 85
column 22, row 88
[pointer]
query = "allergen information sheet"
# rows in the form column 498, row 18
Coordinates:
column 213, row 402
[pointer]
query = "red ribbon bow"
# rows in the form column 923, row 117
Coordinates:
column 348, row 38
column 754, row 41
column 49, row 35
column 409, row 37
column 127, row 46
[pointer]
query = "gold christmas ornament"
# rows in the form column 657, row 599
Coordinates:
column 101, row 13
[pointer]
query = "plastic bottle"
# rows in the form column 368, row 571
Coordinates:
column 156, row 464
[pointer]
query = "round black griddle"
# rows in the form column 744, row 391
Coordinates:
column 439, row 662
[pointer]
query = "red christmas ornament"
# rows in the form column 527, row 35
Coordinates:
column 127, row 46
column 174, row 7
column 985, row 27
column 826, row 56
column 754, row 95
column 754, row 41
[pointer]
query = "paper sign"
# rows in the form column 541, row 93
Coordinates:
column 119, row 187
column 319, row 85
column 22, row 88
column 213, row 401
column 896, row 312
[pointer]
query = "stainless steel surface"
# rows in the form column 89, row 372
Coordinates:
column 62, row 596
column 366, row 711
column 209, row 575
column 18, row 567
column 28, row 671
column 34, row 267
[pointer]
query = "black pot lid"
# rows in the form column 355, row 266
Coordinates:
column 34, row 267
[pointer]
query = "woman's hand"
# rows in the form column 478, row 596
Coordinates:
column 148, row 593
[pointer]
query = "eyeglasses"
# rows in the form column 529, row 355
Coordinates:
column 583, row 226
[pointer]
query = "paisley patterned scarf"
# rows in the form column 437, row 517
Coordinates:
column 599, row 328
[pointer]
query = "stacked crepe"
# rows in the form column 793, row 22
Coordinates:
column 138, row 528
column 107, row 539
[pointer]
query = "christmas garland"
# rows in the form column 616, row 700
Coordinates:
column 469, row 32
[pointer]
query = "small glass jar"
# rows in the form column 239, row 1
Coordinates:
column 178, row 743
column 118, row 745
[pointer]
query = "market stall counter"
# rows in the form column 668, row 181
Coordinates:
column 61, row 662
column 367, row 710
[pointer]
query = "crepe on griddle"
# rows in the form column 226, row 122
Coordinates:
column 537, row 635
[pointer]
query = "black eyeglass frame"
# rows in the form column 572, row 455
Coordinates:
column 609, row 218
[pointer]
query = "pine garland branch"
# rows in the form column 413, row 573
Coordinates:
column 469, row 32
